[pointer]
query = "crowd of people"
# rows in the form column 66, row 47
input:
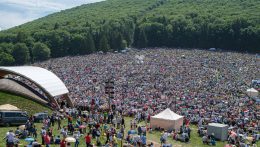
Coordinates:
column 204, row 86
column 97, row 128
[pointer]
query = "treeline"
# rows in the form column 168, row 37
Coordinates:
column 27, row 48
column 238, row 34
column 134, row 23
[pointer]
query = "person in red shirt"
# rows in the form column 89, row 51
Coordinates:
column 69, row 119
column 47, row 140
column 88, row 140
column 63, row 143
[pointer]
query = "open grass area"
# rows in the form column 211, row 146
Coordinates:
column 25, row 104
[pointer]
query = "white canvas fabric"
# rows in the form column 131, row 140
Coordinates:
column 252, row 92
column 167, row 114
column 167, row 119
column 8, row 107
column 45, row 79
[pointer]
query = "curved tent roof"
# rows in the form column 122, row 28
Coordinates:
column 9, row 107
column 167, row 114
column 43, row 78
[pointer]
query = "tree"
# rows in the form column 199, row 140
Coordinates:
column 103, row 44
column 56, row 26
column 124, row 44
column 58, row 42
column 6, row 59
column 140, row 38
column 21, row 36
column 77, row 45
column 21, row 53
column 121, row 44
column 40, row 51
column 6, row 47
column 90, row 44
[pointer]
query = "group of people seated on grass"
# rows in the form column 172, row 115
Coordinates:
column 209, row 139
column 182, row 135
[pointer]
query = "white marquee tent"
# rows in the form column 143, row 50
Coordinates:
column 252, row 92
column 167, row 119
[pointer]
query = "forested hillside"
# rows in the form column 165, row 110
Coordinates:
column 116, row 24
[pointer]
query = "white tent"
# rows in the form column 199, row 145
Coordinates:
column 9, row 107
column 167, row 119
column 252, row 92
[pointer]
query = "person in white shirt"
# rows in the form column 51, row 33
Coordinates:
column 43, row 132
column 10, row 138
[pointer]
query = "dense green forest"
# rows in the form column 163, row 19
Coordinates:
column 115, row 24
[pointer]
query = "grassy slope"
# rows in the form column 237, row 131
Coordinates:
column 22, row 103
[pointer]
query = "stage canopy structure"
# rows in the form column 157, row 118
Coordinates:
column 50, row 85
column 167, row 119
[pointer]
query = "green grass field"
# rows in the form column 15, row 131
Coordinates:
column 32, row 108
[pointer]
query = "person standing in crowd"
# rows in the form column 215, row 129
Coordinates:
column 123, row 122
column 47, row 140
column 77, row 137
column 43, row 133
column 52, row 119
column 59, row 122
column 88, row 140
column 34, row 131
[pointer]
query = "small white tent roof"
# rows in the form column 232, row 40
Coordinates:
column 9, row 107
column 252, row 92
column 167, row 114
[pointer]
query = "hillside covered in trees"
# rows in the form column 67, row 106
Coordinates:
column 115, row 24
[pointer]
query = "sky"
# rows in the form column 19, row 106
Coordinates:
column 16, row 12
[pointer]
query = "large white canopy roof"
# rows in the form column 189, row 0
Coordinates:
column 167, row 114
column 43, row 78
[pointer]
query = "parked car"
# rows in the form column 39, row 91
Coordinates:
column 8, row 118
column 38, row 117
